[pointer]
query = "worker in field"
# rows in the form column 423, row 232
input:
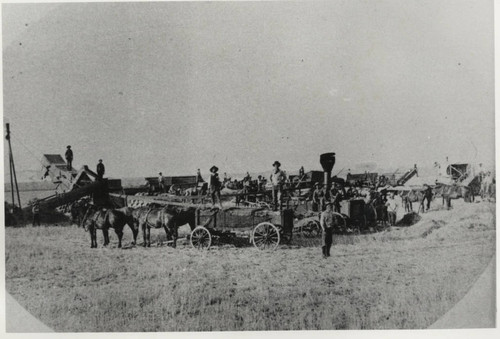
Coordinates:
column 215, row 186
column 327, row 221
column 161, row 186
column 35, row 210
column 69, row 157
column 428, row 197
column 392, row 207
column 277, row 180
column 100, row 170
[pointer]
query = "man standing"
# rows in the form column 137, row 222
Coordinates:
column 69, row 157
column 35, row 210
column 198, row 177
column 100, row 170
column 214, row 186
column 336, row 199
column 301, row 172
column 161, row 187
column 325, row 197
column 428, row 196
column 392, row 207
column 316, row 197
column 327, row 221
column 277, row 179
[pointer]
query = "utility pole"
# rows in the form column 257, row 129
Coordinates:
column 13, row 177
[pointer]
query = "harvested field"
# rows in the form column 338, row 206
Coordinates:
column 406, row 277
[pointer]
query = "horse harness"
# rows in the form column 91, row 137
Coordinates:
column 162, row 218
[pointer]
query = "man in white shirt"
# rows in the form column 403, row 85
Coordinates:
column 277, row 180
column 392, row 207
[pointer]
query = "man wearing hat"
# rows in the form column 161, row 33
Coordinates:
column 327, row 221
column 214, row 185
column 278, row 177
column 100, row 170
column 69, row 157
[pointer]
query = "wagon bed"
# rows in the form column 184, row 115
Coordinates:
column 265, row 229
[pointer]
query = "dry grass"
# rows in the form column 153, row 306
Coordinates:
column 403, row 278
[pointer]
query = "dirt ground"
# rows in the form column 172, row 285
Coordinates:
column 404, row 277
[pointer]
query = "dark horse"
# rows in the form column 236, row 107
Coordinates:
column 104, row 219
column 168, row 217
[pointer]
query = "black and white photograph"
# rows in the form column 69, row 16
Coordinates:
column 216, row 166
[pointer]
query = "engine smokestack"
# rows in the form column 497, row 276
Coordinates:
column 327, row 161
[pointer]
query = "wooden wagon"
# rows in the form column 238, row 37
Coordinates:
column 264, row 228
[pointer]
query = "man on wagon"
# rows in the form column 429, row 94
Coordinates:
column 161, row 187
column 215, row 185
column 317, row 196
column 100, row 170
column 277, row 180
column 69, row 157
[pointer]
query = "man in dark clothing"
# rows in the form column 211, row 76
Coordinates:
column 100, row 170
column 428, row 196
column 69, row 157
column 336, row 199
column 36, row 213
column 215, row 185
column 325, row 197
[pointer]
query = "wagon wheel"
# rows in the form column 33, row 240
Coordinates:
column 265, row 236
column 312, row 229
column 200, row 238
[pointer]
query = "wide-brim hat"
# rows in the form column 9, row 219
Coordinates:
column 100, row 160
column 277, row 163
column 214, row 169
column 68, row 146
column 316, row 184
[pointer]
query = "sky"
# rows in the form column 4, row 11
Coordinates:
column 177, row 86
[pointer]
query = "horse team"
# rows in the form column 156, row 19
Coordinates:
column 170, row 218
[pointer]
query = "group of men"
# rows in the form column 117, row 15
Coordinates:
column 100, row 169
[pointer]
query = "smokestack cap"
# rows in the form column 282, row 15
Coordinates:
column 327, row 161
